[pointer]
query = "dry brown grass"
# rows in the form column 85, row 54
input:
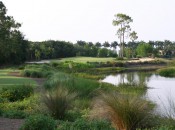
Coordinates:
column 124, row 111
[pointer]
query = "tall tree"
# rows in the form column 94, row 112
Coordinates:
column 133, row 36
column 12, row 43
column 81, row 43
column 114, row 45
column 98, row 44
column 122, row 21
column 144, row 49
column 106, row 44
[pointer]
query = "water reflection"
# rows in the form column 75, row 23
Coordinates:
column 131, row 78
column 160, row 90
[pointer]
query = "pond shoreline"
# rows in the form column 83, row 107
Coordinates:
column 147, row 67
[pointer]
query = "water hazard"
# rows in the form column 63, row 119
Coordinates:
column 161, row 89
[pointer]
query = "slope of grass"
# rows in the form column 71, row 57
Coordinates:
column 6, row 79
column 86, row 59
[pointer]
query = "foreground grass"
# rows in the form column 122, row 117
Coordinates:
column 126, row 112
column 86, row 90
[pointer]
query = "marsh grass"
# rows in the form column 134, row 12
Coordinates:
column 169, row 109
column 132, row 88
column 84, row 87
column 59, row 101
column 37, row 71
column 167, row 72
column 126, row 112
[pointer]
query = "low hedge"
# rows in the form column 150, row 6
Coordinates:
column 16, row 92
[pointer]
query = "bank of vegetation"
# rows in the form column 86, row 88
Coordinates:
column 67, row 101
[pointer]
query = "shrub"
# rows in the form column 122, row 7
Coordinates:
column 58, row 101
column 82, row 124
column 58, row 79
column 17, row 92
column 3, row 100
column 167, row 72
column 14, row 114
column 124, row 111
column 26, row 73
column 31, row 105
column 36, row 74
column 119, row 58
column 83, row 86
column 32, row 73
column 139, row 56
column 37, row 71
column 39, row 122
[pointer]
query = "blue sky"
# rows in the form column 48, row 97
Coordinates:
column 91, row 20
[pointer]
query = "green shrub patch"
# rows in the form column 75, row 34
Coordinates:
column 39, row 122
column 16, row 92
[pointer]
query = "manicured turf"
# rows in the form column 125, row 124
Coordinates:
column 86, row 59
column 6, row 79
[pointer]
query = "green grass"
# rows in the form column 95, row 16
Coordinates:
column 86, row 59
column 167, row 72
column 6, row 79
column 84, row 87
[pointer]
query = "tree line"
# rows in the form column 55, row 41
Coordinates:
column 59, row 49
column 13, row 46
column 15, row 49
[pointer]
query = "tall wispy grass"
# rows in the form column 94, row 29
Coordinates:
column 132, row 88
column 84, row 87
column 125, row 112
column 169, row 108
column 59, row 101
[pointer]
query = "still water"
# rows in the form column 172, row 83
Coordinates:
column 161, row 89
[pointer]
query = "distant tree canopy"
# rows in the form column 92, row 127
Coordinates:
column 144, row 49
column 50, row 49
column 122, row 21
column 13, row 47
column 60, row 49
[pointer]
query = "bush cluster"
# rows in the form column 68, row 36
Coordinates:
column 83, row 124
column 21, row 109
column 167, row 72
column 37, row 71
column 39, row 122
column 107, row 64
column 16, row 92
column 17, row 114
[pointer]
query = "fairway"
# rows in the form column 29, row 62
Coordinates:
column 6, row 79
column 85, row 59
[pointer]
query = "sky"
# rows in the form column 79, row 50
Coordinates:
column 91, row 20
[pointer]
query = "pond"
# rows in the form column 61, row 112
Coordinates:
column 160, row 89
